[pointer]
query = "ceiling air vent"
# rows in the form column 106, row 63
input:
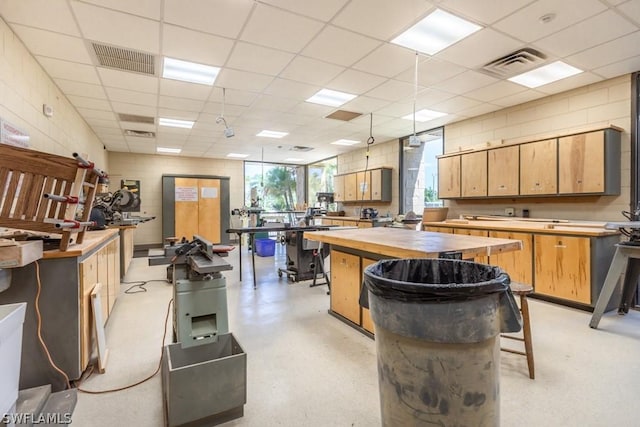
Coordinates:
column 300, row 148
column 515, row 63
column 123, row 59
column 343, row 115
column 134, row 118
column 139, row 133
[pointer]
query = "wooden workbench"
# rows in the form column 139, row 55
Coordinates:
column 354, row 249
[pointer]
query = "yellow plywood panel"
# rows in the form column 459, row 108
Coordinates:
column 503, row 171
column 363, row 185
column 581, row 163
column 367, row 322
column 479, row 233
column 345, row 285
column 474, row 174
column 103, row 278
column 209, row 209
column 538, row 168
column 449, row 177
column 517, row 264
column 89, row 278
column 186, row 207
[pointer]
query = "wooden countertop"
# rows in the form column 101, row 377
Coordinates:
column 574, row 228
column 355, row 218
column 92, row 239
column 403, row 243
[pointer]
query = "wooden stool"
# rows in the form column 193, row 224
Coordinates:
column 522, row 290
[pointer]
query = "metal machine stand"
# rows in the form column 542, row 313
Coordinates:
column 319, row 263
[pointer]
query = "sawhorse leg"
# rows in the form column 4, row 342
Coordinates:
column 615, row 271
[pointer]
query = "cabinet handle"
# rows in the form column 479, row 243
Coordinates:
column 579, row 181
column 501, row 186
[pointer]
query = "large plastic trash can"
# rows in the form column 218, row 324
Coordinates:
column 11, row 321
column 437, row 323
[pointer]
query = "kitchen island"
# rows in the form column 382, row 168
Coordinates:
column 354, row 249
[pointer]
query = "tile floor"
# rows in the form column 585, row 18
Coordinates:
column 306, row 368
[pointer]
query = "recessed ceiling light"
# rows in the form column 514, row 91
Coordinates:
column 175, row 123
column 293, row 159
column 425, row 115
column 435, row 32
column 237, row 155
column 332, row 98
column 189, row 71
column 272, row 134
column 168, row 150
column 546, row 74
column 346, row 142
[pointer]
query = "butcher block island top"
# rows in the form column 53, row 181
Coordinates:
column 403, row 243
column 561, row 227
column 92, row 239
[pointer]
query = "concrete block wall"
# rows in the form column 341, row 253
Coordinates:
column 149, row 168
column 24, row 88
column 599, row 104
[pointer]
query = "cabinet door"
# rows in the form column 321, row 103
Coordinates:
column 350, row 187
column 113, row 255
column 581, row 163
column 88, row 279
column 470, row 232
column 562, row 267
column 363, row 186
column 367, row 322
column 338, row 188
column 345, row 285
column 376, row 184
column 103, row 279
column 365, row 224
column 473, row 168
column 449, row 177
column 438, row 229
column 503, row 175
column 517, row 264
column 538, row 168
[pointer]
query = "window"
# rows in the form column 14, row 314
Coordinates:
column 420, row 171
column 270, row 186
column 321, row 179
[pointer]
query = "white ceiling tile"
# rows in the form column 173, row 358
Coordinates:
column 70, row 87
column 466, row 53
column 429, row 97
column 353, row 47
column 124, row 80
column 430, row 71
column 171, row 113
column 243, row 80
column 518, row 98
column 184, row 90
column 387, row 60
column 483, row 12
column 356, row 82
column 222, row 17
column 113, row 123
column 46, row 43
column 465, row 82
column 117, row 28
column 572, row 82
column 85, row 102
column 213, row 109
column 147, row 8
column 185, row 104
column 272, row 27
column 130, row 97
column 456, row 104
column 607, row 53
column 40, row 14
column 310, row 109
column 96, row 114
column 323, row 10
column 525, row 23
column 140, row 110
column 381, row 19
column 496, row 90
column 591, row 32
column 479, row 110
column 234, row 97
column 392, row 90
column 141, row 145
column 364, row 104
column 274, row 102
column 58, row 68
column 195, row 46
column 109, row 132
column 631, row 9
column 310, row 70
column 245, row 56
column 291, row 89
column 397, row 109
column 629, row 65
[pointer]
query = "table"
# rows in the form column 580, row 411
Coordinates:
column 253, row 230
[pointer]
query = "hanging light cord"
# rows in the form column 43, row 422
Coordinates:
column 221, row 116
column 415, row 93
column 370, row 142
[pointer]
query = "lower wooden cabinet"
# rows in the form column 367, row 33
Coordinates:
column 471, row 232
column 367, row 322
column 563, row 267
column 517, row 264
column 345, row 289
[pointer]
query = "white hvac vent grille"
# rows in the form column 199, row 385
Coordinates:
column 139, row 133
column 134, row 118
column 515, row 63
column 124, row 59
column 300, row 148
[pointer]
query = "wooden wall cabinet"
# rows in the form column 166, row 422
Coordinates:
column 473, row 170
column 363, row 185
column 350, row 187
column 538, row 168
column 449, row 177
column 345, row 292
column 587, row 163
column 503, row 177
column 338, row 188
column 371, row 186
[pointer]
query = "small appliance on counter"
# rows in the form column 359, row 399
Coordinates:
column 368, row 213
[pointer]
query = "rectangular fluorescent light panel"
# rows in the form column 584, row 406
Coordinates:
column 168, row 150
column 292, row 159
column 546, row 74
column 425, row 115
column 272, row 134
column 175, row 123
column 332, row 98
column 346, row 142
column 189, row 71
column 435, row 32
column 237, row 155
